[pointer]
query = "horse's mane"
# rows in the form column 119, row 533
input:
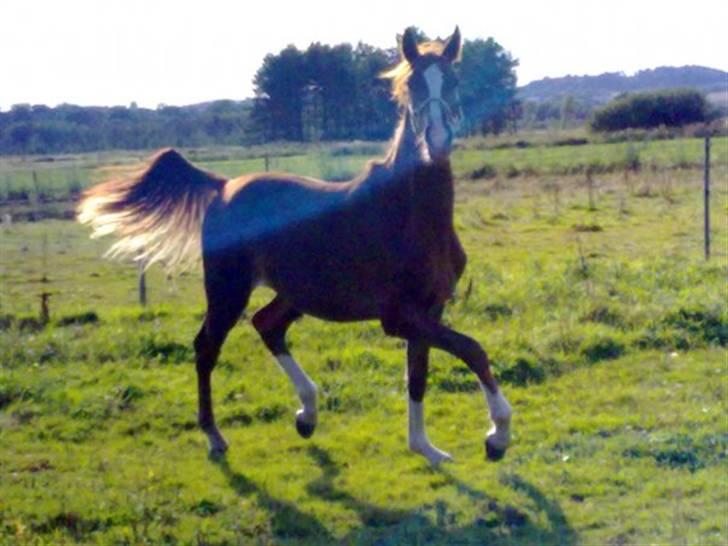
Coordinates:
column 400, row 73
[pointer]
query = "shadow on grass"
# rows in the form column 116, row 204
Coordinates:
column 430, row 524
column 286, row 520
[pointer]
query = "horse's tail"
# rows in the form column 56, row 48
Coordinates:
column 157, row 214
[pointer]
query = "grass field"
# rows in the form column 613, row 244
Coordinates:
column 39, row 179
column 605, row 324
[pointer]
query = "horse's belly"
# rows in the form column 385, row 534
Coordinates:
column 339, row 311
column 339, row 286
column 333, row 294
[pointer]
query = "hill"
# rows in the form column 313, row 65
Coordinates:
column 603, row 87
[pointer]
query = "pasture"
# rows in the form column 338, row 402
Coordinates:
column 606, row 327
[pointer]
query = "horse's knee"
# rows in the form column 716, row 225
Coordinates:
column 272, row 322
column 200, row 342
column 206, row 350
column 474, row 354
column 273, row 336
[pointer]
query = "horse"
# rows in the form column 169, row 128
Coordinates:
column 381, row 246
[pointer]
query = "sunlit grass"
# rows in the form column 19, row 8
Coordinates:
column 605, row 325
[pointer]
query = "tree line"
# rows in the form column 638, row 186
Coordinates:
column 321, row 93
column 335, row 93
column 39, row 129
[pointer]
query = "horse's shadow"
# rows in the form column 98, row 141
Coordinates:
column 430, row 524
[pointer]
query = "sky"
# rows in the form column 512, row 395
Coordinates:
column 175, row 52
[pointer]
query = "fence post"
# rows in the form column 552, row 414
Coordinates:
column 267, row 163
column 45, row 314
column 142, row 283
column 706, row 197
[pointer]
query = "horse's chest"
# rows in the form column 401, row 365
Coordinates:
column 433, row 269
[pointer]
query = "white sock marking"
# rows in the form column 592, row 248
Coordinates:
column 417, row 440
column 500, row 414
column 305, row 388
column 417, row 424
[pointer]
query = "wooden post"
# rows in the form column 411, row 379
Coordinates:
column 142, row 283
column 706, row 197
column 36, row 186
column 34, row 198
column 590, row 189
column 44, row 278
column 267, row 163
column 45, row 314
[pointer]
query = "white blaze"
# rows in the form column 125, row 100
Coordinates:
column 438, row 133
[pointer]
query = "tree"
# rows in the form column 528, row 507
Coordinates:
column 488, row 86
column 330, row 72
column 375, row 112
column 279, row 88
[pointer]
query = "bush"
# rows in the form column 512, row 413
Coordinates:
column 89, row 317
column 494, row 311
column 523, row 372
column 702, row 324
column 602, row 348
column 487, row 171
column 164, row 351
column 669, row 108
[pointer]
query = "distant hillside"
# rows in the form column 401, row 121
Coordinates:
column 602, row 88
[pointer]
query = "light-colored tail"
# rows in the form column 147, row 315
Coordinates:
column 157, row 214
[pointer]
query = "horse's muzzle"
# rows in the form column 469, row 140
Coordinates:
column 439, row 142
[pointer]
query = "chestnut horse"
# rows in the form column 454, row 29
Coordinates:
column 379, row 247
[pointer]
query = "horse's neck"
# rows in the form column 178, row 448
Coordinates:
column 406, row 152
column 429, row 184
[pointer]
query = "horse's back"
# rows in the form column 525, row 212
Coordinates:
column 254, row 208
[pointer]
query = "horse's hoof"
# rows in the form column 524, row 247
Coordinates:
column 434, row 456
column 492, row 452
column 217, row 452
column 305, row 430
column 218, row 445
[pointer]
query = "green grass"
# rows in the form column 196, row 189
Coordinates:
column 606, row 327
column 599, row 157
column 34, row 180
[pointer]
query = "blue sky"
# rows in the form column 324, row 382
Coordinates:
column 107, row 52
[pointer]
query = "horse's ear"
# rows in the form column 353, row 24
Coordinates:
column 408, row 45
column 451, row 51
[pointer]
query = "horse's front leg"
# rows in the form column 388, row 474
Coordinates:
column 417, row 368
column 418, row 328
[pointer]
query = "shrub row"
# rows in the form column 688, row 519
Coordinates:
column 669, row 108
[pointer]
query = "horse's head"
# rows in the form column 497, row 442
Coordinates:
column 425, row 84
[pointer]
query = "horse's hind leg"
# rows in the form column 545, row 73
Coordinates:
column 272, row 322
column 228, row 288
